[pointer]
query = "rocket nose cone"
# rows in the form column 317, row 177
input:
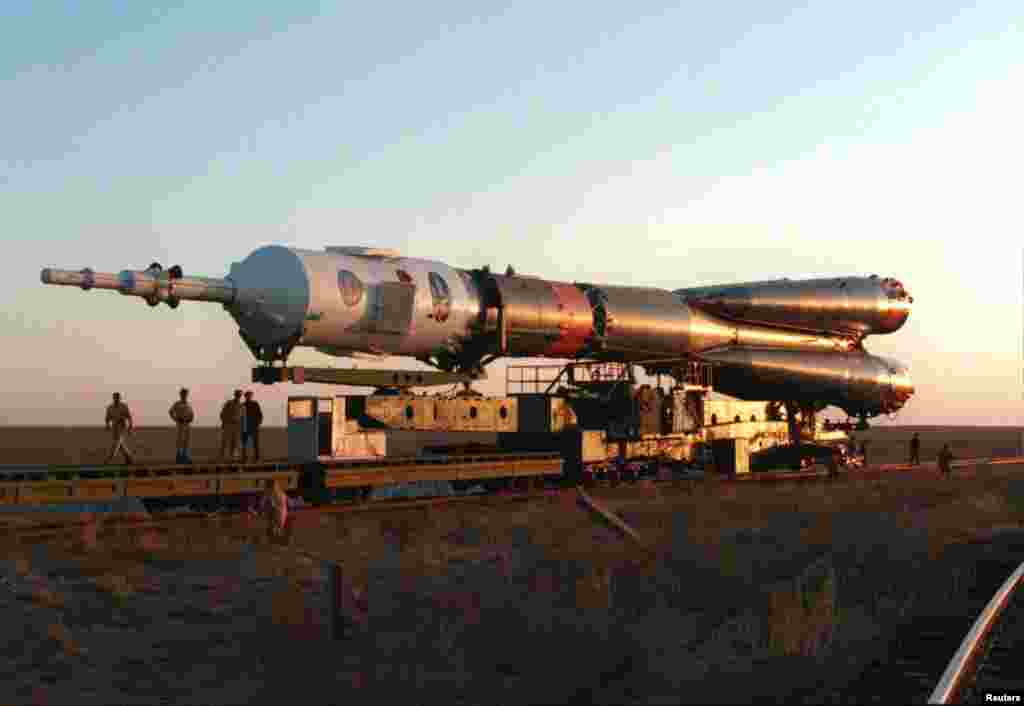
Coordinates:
column 897, row 306
column 273, row 295
column 895, row 315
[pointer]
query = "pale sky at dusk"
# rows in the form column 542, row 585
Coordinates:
column 623, row 143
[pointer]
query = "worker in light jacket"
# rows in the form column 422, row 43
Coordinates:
column 119, row 423
column 183, row 416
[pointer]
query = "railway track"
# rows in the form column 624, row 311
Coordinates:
column 167, row 520
column 913, row 663
column 990, row 661
column 222, row 507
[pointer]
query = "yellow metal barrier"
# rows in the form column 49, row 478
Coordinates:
column 469, row 470
column 39, row 492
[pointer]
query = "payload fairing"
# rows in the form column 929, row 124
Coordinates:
column 786, row 340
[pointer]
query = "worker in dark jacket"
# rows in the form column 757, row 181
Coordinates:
column 945, row 460
column 230, row 423
column 252, row 418
column 834, row 459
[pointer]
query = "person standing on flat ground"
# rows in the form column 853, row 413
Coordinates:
column 945, row 460
column 230, row 424
column 183, row 416
column 274, row 506
column 119, row 424
column 834, row 460
column 252, row 418
column 915, row 450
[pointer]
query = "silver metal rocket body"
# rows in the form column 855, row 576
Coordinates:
column 858, row 383
column 796, row 340
column 850, row 305
column 345, row 300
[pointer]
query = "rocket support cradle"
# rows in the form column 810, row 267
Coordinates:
column 786, row 340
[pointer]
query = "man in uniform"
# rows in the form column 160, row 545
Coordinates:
column 181, row 413
column 119, row 423
column 915, row 450
column 252, row 418
column 230, row 423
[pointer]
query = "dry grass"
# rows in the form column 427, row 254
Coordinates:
column 59, row 633
column 117, row 585
column 48, row 598
column 948, row 508
column 594, row 592
column 803, row 615
column 288, row 607
column 782, row 572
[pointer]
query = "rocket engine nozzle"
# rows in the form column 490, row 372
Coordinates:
column 154, row 285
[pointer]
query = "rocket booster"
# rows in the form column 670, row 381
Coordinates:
column 348, row 301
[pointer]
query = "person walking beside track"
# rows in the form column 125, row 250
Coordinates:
column 915, row 450
column 945, row 460
column 230, row 423
column 834, row 459
column 183, row 416
column 252, row 418
column 119, row 424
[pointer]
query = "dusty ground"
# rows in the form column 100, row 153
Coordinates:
column 762, row 593
column 73, row 445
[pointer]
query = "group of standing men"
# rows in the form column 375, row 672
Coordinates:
column 240, row 421
column 240, row 426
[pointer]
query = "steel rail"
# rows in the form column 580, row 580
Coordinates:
column 163, row 520
column 160, row 519
column 958, row 668
column 45, row 471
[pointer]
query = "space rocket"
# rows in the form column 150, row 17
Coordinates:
column 786, row 340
